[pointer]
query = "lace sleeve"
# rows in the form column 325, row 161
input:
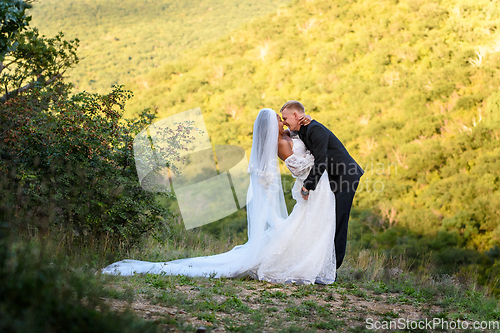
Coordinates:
column 299, row 166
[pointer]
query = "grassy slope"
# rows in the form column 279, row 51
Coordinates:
column 411, row 88
column 44, row 280
column 121, row 39
column 369, row 285
column 366, row 289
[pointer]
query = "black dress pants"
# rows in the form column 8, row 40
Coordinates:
column 343, row 204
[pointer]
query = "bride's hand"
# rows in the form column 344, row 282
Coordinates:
column 305, row 197
column 305, row 120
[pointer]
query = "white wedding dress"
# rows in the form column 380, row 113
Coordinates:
column 280, row 249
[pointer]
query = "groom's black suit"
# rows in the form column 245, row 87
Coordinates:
column 343, row 172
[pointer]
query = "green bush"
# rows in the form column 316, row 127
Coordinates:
column 71, row 166
column 43, row 294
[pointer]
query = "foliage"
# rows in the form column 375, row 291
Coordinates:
column 122, row 40
column 43, row 294
column 35, row 60
column 72, row 164
column 13, row 20
column 67, row 159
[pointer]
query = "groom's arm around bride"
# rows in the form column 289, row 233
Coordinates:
column 330, row 155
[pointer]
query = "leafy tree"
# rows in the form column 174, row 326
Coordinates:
column 35, row 60
column 13, row 20
column 71, row 159
column 67, row 159
column 26, row 58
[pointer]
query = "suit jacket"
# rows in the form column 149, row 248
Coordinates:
column 330, row 155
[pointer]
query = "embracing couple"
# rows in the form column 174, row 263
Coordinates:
column 305, row 247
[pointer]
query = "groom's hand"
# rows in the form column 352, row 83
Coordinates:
column 305, row 197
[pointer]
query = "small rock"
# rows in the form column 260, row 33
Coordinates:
column 201, row 329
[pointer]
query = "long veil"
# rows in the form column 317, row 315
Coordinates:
column 266, row 212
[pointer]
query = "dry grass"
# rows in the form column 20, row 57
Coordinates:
column 369, row 285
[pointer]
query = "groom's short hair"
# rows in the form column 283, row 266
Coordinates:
column 293, row 105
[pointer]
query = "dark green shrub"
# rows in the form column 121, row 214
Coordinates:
column 42, row 295
column 71, row 164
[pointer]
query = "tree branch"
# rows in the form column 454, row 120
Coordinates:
column 26, row 87
column 10, row 63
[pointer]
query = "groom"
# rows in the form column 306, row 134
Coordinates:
column 330, row 155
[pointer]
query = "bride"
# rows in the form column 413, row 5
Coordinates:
column 280, row 249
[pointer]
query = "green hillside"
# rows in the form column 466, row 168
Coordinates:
column 123, row 39
column 410, row 87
